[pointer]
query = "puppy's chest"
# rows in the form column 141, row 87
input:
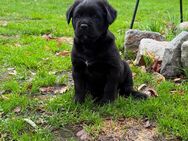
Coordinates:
column 93, row 66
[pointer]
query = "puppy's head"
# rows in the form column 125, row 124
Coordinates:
column 90, row 18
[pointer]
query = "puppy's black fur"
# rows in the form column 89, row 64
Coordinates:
column 97, row 66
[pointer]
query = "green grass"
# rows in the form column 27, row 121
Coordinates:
column 34, row 59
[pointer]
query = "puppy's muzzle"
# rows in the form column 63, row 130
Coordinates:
column 84, row 26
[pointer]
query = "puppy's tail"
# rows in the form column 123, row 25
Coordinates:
column 129, row 91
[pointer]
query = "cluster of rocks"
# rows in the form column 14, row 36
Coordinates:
column 173, row 54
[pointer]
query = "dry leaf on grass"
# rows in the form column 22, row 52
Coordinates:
column 40, row 121
column 60, row 40
column 179, row 92
column 17, row 110
column 159, row 77
column 147, row 90
column 54, row 90
column 47, row 36
column 156, row 65
column 12, row 71
column 63, row 53
column 3, row 97
column 3, row 23
column 30, row 122
column 177, row 80
column 143, row 69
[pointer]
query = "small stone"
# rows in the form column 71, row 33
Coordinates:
column 133, row 38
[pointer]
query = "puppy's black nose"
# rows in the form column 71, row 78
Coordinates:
column 83, row 26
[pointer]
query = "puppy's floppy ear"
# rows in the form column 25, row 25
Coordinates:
column 70, row 11
column 111, row 12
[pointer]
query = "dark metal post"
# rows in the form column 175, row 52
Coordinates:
column 181, row 11
column 134, row 14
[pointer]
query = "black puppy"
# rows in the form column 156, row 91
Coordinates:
column 97, row 66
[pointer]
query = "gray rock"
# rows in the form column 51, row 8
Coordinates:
column 183, row 26
column 157, row 48
column 171, row 64
column 133, row 38
column 184, row 54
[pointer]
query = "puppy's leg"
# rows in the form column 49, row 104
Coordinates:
column 110, row 89
column 80, row 87
column 126, row 88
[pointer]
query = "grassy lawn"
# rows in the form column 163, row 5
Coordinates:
column 29, row 61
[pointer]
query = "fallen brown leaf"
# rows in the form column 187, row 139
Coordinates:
column 45, row 90
column 12, row 71
column 147, row 90
column 142, row 87
column 61, row 90
column 47, row 36
column 30, row 122
column 177, row 80
column 17, row 110
column 179, row 92
column 40, row 121
column 143, row 69
column 17, row 44
column 63, row 53
column 3, row 97
column 54, row 90
column 61, row 40
column 151, row 92
column 159, row 77
column 140, row 61
column 3, row 23
column 156, row 65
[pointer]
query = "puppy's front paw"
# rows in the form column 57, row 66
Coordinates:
column 79, row 99
column 104, row 101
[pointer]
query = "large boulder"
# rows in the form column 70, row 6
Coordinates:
column 171, row 64
column 184, row 54
column 133, row 38
column 150, row 46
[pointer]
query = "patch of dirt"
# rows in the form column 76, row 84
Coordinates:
column 59, row 89
column 139, row 131
column 125, row 129
column 5, row 37
column 60, row 40
column 66, row 133
column 129, row 130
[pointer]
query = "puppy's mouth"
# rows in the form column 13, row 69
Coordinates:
column 86, row 37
